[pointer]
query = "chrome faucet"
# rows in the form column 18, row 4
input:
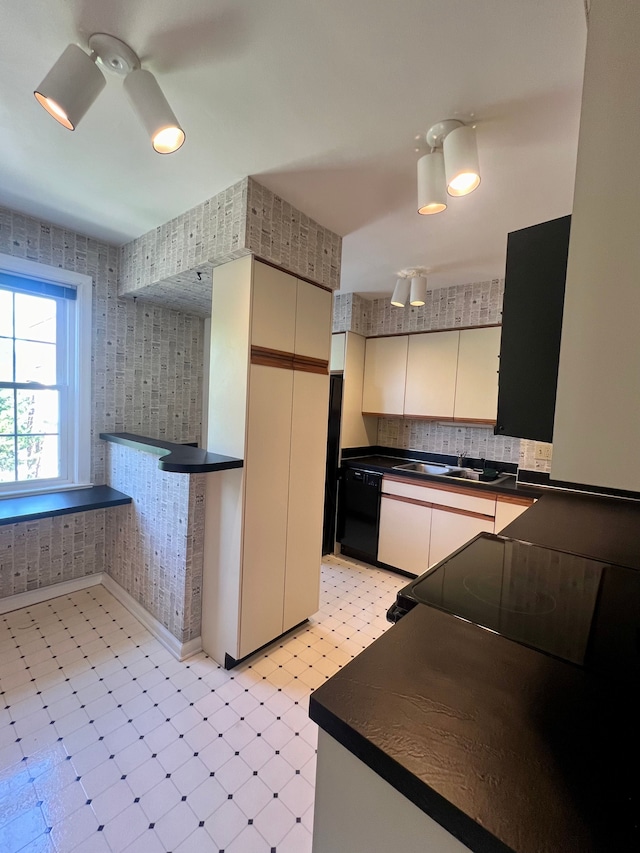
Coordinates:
column 461, row 459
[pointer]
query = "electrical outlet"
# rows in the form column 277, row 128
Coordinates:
column 543, row 451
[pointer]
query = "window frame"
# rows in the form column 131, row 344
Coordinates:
column 77, row 447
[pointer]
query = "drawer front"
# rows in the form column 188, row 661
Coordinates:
column 441, row 496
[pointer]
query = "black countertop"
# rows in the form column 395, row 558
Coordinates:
column 177, row 458
column 66, row 502
column 383, row 464
column 507, row 748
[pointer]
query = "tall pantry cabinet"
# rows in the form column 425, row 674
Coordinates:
column 270, row 344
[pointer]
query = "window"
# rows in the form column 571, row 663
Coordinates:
column 44, row 377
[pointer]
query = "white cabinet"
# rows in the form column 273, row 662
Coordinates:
column 508, row 509
column 385, row 370
column 338, row 347
column 405, row 532
column 450, row 530
column 306, row 496
column 265, row 519
column 273, row 314
column 313, row 306
column 449, row 375
column 432, row 365
column 422, row 524
column 271, row 334
column 477, row 378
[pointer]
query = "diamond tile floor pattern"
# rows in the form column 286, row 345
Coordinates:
column 110, row 745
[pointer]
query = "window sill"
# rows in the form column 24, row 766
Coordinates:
column 64, row 502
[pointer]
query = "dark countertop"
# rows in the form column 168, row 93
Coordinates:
column 507, row 748
column 32, row 507
column 177, row 458
column 384, row 465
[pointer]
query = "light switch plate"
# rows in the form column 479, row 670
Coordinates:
column 543, row 451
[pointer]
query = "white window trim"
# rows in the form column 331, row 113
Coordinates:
column 80, row 465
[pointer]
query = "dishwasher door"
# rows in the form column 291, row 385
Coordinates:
column 359, row 514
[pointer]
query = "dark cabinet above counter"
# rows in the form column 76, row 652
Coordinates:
column 531, row 329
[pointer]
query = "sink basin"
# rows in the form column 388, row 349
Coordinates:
column 426, row 468
column 440, row 469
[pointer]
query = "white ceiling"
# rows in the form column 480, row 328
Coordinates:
column 320, row 101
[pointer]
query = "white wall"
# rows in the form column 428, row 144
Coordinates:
column 597, row 423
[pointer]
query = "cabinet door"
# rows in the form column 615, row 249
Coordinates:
column 432, row 363
column 477, row 379
column 508, row 511
column 404, row 535
column 266, row 496
column 273, row 313
column 306, row 496
column 450, row 530
column 338, row 346
column 531, row 329
column 313, row 321
column 385, row 370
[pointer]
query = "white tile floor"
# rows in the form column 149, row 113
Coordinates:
column 108, row 744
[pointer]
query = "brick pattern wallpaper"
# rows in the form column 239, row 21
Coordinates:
column 38, row 553
column 436, row 438
column 147, row 367
column 147, row 362
column 280, row 233
column 154, row 547
column 162, row 266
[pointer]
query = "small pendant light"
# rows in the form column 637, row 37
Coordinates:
column 461, row 161
column 401, row 293
column 418, row 290
column 71, row 86
column 432, row 185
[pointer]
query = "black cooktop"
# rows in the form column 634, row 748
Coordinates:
column 577, row 609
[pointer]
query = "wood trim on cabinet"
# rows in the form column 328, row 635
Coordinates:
column 515, row 499
column 308, row 364
column 271, row 357
column 439, row 418
column 294, row 274
column 444, row 487
column 288, row 360
column 435, row 331
column 429, row 504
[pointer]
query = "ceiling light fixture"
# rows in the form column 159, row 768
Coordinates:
column 75, row 81
column 418, row 290
column 411, row 286
column 71, row 86
column 400, row 293
column 450, row 168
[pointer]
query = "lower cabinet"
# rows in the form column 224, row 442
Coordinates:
column 405, row 532
column 451, row 529
column 508, row 509
column 422, row 524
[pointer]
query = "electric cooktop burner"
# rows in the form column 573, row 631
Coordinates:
column 574, row 608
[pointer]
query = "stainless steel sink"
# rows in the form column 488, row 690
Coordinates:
column 426, row 468
column 440, row 469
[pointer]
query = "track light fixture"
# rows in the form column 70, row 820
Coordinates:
column 450, row 168
column 75, row 81
column 411, row 286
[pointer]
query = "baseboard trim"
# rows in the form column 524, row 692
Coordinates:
column 179, row 650
column 45, row 593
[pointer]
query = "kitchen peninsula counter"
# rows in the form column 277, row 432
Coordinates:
column 174, row 457
column 507, row 749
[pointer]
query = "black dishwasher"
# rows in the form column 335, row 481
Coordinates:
column 359, row 514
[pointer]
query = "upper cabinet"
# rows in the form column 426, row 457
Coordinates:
column 449, row 375
column 273, row 315
column 313, row 306
column 531, row 328
column 477, row 377
column 385, row 371
column 432, row 365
